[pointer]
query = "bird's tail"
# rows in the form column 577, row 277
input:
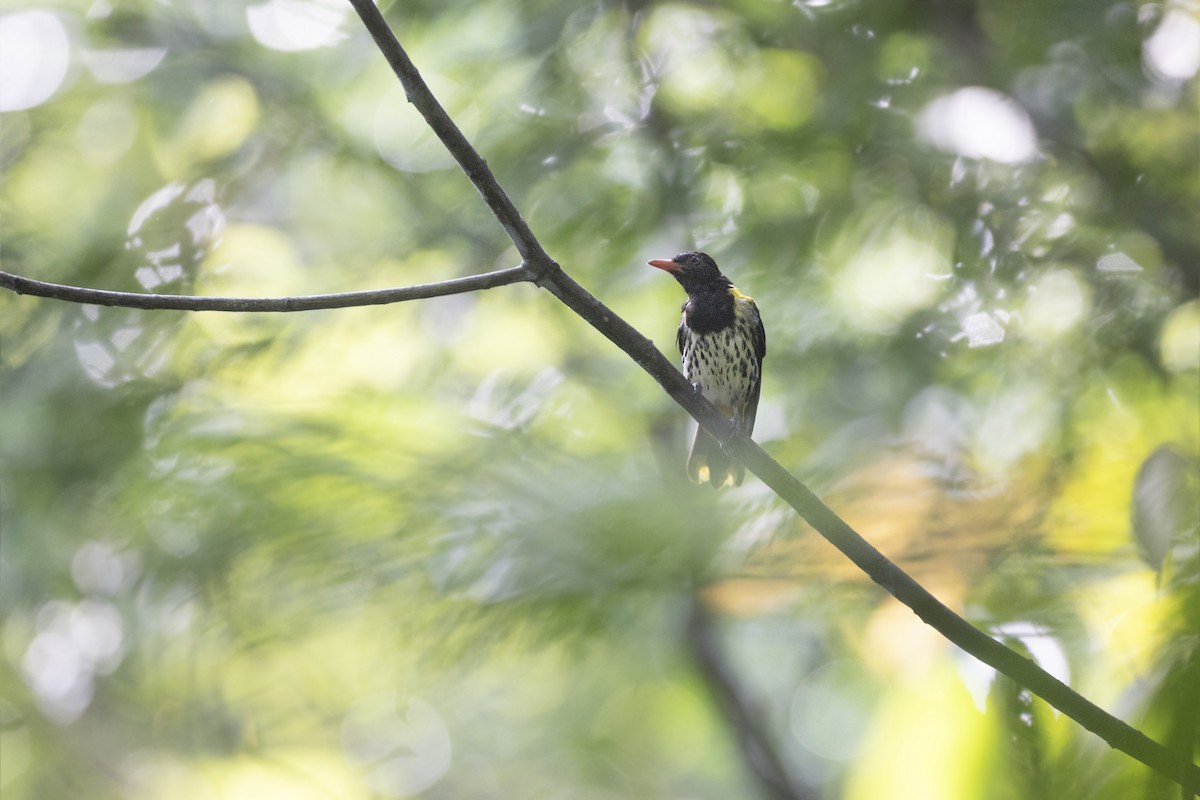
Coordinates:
column 708, row 463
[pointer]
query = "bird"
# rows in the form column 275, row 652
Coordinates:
column 722, row 341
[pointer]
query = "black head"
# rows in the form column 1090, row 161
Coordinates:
column 694, row 271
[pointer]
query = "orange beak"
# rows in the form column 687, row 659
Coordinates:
column 665, row 264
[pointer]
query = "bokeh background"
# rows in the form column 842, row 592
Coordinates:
column 444, row 549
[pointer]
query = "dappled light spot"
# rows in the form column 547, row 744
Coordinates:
column 1117, row 262
column 1060, row 226
column 1173, row 51
column 1179, row 343
column 155, row 202
column 1057, row 303
column 252, row 260
column 167, row 236
column 124, row 65
column 115, row 346
column 925, row 740
column 939, row 420
column 903, row 58
column 284, row 771
column 1018, row 420
column 1126, row 616
column 702, row 64
column 980, row 330
column 218, row 120
column 106, row 131
column 693, row 71
column 979, row 123
column 34, row 56
column 401, row 752
column 888, row 271
column 523, row 344
column 399, row 134
column 249, row 261
column 74, row 644
column 100, row 568
column 781, row 90
column 293, row 25
column 160, row 222
column 832, row 708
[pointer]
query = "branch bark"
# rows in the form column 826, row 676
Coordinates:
column 180, row 302
column 889, row 576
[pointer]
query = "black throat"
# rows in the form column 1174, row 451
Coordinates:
column 709, row 310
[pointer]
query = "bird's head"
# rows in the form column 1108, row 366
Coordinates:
column 694, row 271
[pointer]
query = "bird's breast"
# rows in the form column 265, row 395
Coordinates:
column 723, row 362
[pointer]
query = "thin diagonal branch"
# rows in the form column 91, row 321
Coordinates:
column 179, row 302
column 745, row 718
column 548, row 274
column 967, row 637
column 468, row 158
column 893, row 579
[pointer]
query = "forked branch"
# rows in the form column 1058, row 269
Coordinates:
column 893, row 579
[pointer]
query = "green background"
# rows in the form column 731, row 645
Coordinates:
column 445, row 548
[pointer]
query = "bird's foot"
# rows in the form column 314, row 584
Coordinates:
column 735, row 424
column 735, row 428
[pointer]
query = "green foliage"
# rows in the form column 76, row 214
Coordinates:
column 445, row 547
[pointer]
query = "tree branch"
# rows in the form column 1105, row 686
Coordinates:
column 744, row 717
column 178, row 302
column 894, row 580
column 963, row 634
column 547, row 273
column 436, row 117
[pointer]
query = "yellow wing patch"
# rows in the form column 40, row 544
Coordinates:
column 742, row 303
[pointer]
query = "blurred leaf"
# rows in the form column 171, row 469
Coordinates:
column 1166, row 504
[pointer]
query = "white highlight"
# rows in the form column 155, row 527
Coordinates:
column 34, row 54
column 979, row 123
column 1173, row 51
column 292, row 25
